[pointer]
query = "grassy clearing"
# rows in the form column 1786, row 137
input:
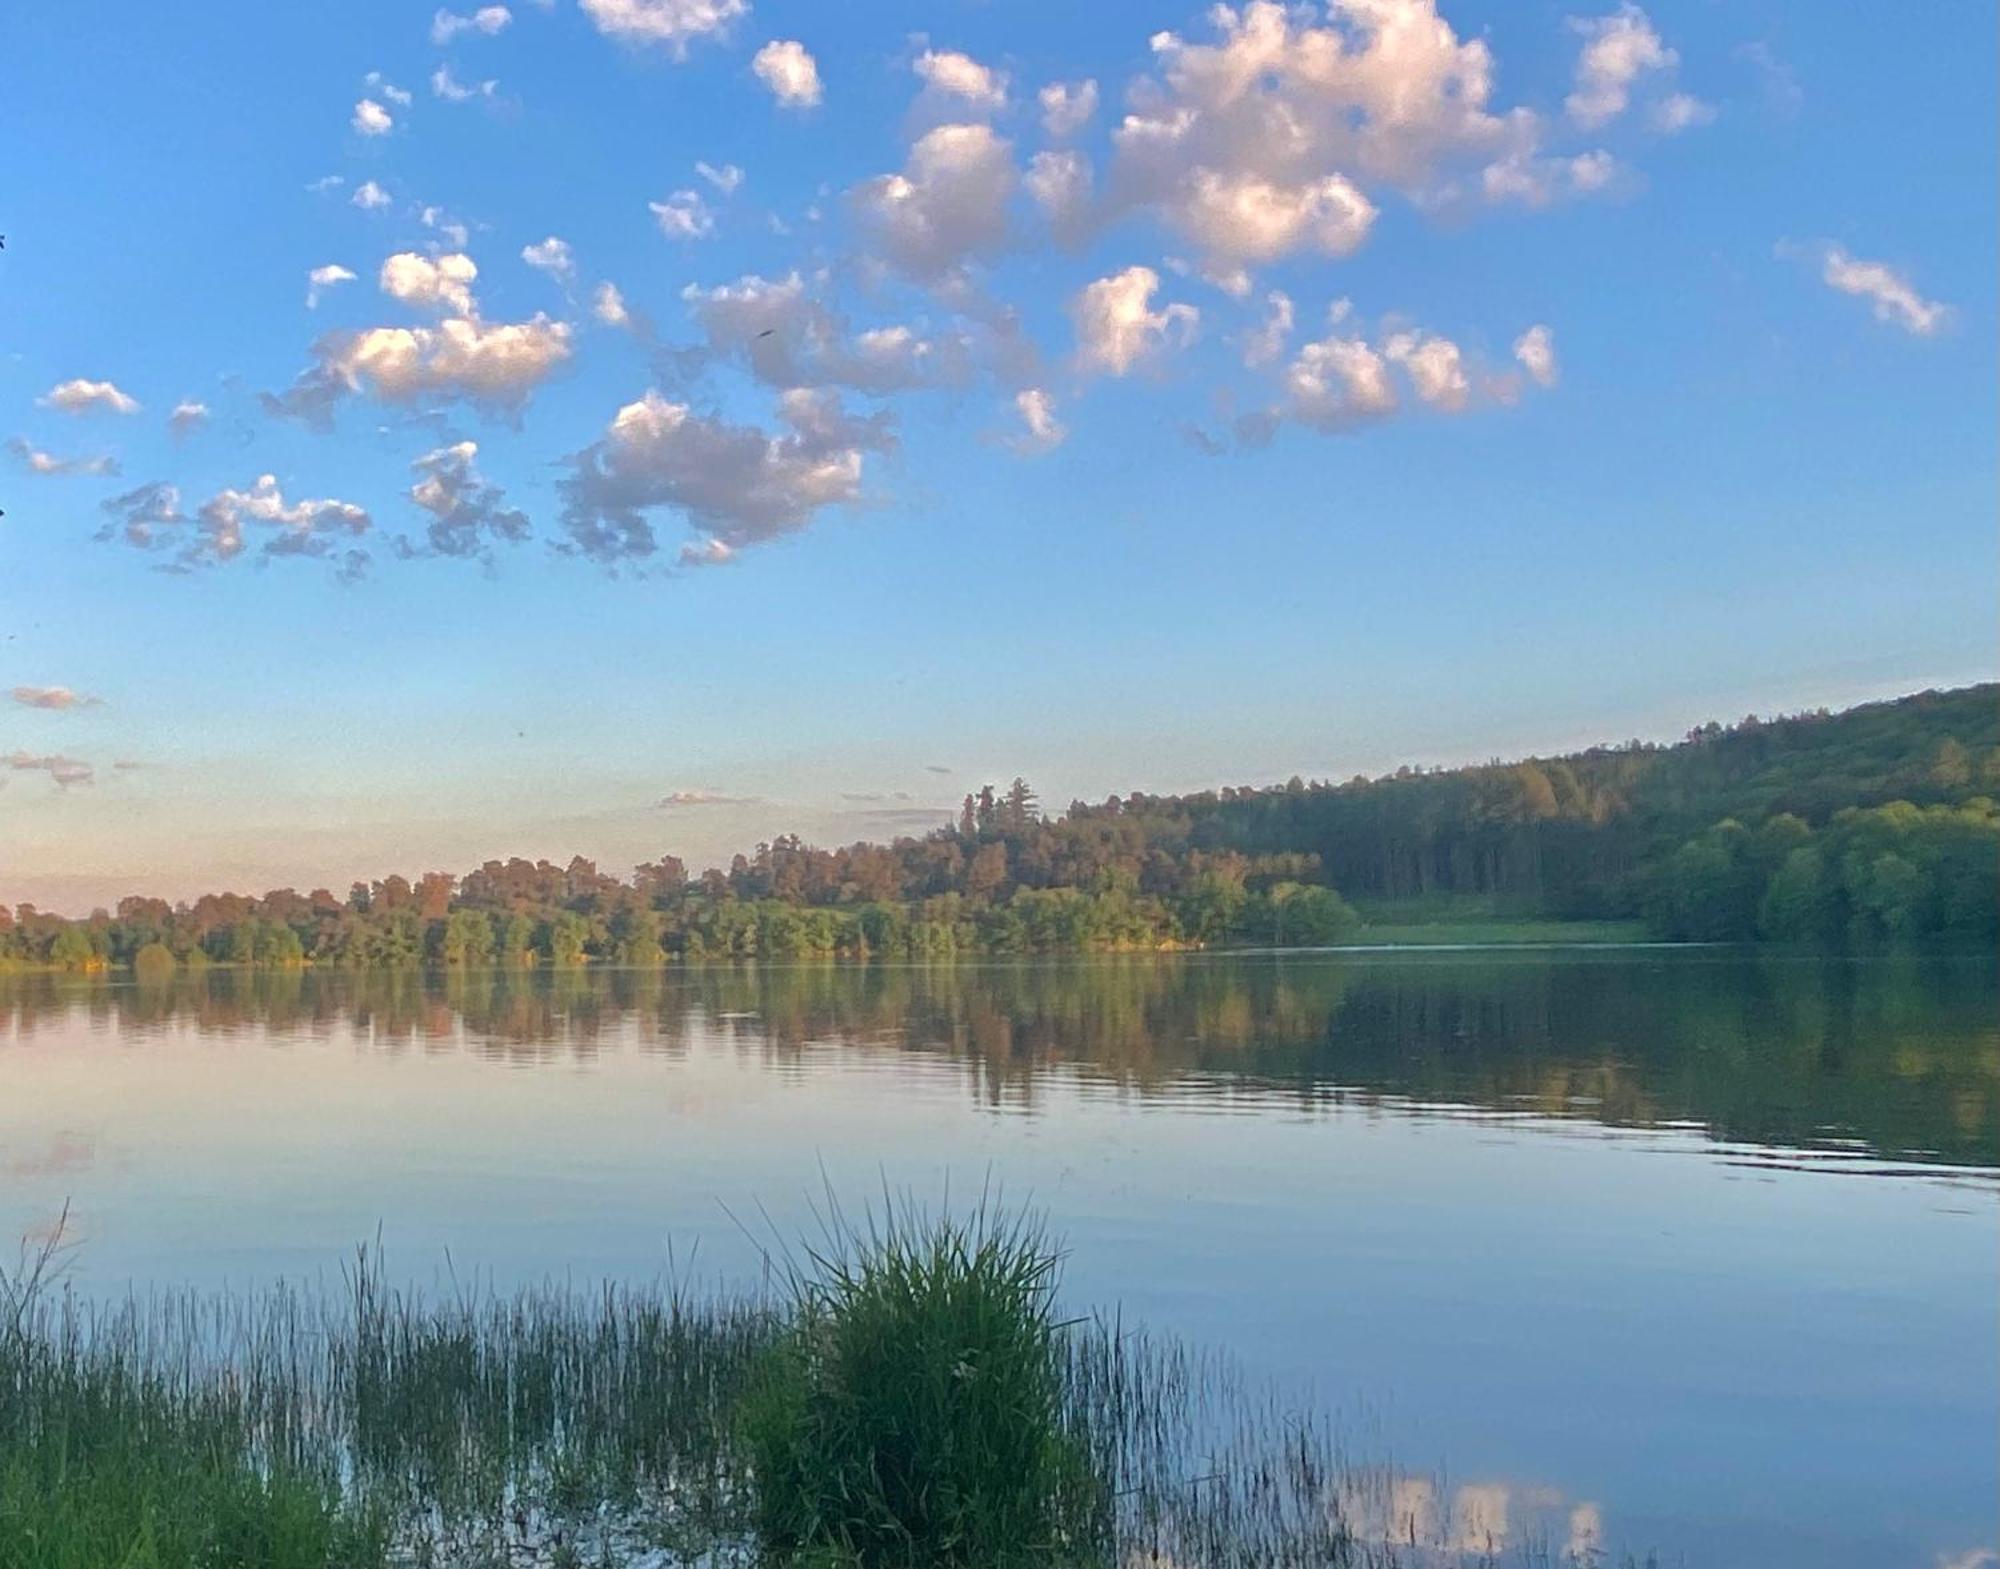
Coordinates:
column 910, row 1401
column 1438, row 920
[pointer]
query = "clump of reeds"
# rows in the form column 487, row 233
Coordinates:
column 914, row 1413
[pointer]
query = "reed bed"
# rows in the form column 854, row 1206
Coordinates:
column 906, row 1398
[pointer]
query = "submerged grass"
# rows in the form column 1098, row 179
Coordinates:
column 910, row 1400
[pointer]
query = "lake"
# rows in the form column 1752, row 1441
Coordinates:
column 1645, row 1248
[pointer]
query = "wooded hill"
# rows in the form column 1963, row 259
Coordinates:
column 1876, row 825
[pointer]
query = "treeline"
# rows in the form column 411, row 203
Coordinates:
column 1583, row 835
column 1004, row 881
column 1874, row 825
column 1887, row 874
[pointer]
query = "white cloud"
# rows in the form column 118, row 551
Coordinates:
column 320, row 279
column 1041, row 430
column 681, row 799
column 784, row 66
column 496, row 364
column 1535, row 349
column 1060, row 182
column 738, row 485
column 608, row 305
column 951, row 74
column 1435, row 366
column 188, row 416
column 468, row 514
column 370, row 197
column 1679, row 112
column 673, row 24
column 371, row 119
column 301, row 527
column 1892, row 296
column 1618, row 49
column 683, row 216
column 79, row 396
column 488, row 19
column 788, row 337
column 947, row 205
column 430, row 283
column 36, row 461
column 725, row 178
column 1116, row 326
column 1338, row 382
column 378, row 83
column 54, row 697
column 451, row 90
column 1268, row 341
column 552, row 256
column 1067, row 107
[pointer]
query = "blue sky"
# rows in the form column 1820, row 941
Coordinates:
column 1338, row 390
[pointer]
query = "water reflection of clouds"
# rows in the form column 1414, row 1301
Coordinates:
column 1477, row 1521
column 63, row 1154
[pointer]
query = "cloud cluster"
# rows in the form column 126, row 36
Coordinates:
column 785, row 334
column 221, row 528
column 492, row 364
column 1347, row 378
column 1619, row 51
column 1260, row 144
column 738, row 485
column 189, row 416
column 65, row 771
column 1889, row 293
column 36, row 461
column 468, row 514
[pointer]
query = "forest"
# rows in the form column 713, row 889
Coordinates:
column 1872, row 826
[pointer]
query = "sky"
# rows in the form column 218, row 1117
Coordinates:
column 626, row 427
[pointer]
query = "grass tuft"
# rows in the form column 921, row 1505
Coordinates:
column 913, row 1414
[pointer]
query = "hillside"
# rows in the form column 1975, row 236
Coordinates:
column 1876, row 825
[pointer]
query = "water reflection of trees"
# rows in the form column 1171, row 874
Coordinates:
column 1899, row 1056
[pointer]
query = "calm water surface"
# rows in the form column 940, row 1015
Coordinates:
column 1661, row 1249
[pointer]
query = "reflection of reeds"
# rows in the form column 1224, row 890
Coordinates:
column 368, row 1427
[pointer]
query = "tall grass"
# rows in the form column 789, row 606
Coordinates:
column 910, row 1399
column 914, row 1415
